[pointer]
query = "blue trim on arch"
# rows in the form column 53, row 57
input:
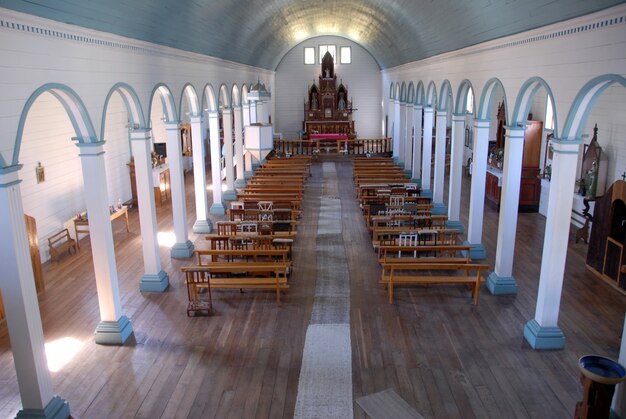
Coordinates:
column 83, row 115
column 484, row 110
column 431, row 95
column 573, row 132
column 444, row 94
column 535, row 84
column 235, row 94
column 461, row 97
column 244, row 95
column 193, row 97
column 224, row 93
column 392, row 91
column 419, row 94
column 410, row 93
column 118, row 87
column 169, row 118
column 212, row 106
column 403, row 92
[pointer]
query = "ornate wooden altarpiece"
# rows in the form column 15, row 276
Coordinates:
column 328, row 110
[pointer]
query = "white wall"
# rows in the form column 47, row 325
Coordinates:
column 362, row 78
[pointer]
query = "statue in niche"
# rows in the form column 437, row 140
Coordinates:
column 341, row 105
column 327, row 73
column 591, row 181
column 314, row 103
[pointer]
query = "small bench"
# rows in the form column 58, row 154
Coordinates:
column 59, row 243
column 415, row 273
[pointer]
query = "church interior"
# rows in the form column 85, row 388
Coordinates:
column 302, row 209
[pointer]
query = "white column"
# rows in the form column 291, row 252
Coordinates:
column 619, row 401
column 154, row 279
column 456, row 171
column 202, row 223
column 408, row 143
column 501, row 281
column 417, row 146
column 402, row 136
column 183, row 248
column 543, row 332
column 477, row 195
column 21, row 306
column 440, row 162
column 246, row 114
column 240, row 182
column 427, row 150
column 396, row 130
column 114, row 327
column 253, row 112
column 390, row 109
column 227, row 121
column 217, row 208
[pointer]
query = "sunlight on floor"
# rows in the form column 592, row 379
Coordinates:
column 61, row 351
column 210, row 187
column 167, row 239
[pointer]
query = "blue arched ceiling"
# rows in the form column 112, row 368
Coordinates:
column 261, row 32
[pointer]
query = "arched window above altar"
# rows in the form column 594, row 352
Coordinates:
column 328, row 66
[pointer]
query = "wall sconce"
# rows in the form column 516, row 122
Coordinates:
column 41, row 176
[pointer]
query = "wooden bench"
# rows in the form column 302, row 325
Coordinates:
column 274, row 255
column 227, row 275
column 415, row 273
column 59, row 243
column 425, row 254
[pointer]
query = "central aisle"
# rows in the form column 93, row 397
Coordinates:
column 325, row 385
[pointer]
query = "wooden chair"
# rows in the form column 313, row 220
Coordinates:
column 396, row 200
column 59, row 243
column 408, row 240
column 265, row 205
column 226, row 228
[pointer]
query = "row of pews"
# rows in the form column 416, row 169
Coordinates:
column 252, row 250
column 413, row 245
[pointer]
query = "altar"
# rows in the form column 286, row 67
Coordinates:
column 327, row 109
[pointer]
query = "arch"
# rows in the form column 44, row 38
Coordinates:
column 586, row 97
column 403, row 92
column 209, row 100
column 525, row 100
column 486, row 98
column 190, row 93
column 244, row 95
column 236, row 97
column 73, row 105
column 410, row 93
column 224, row 98
column 431, row 95
column 132, row 104
column 392, row 91
column 461, row 97
column 167, row 100
column 419, row 94
column 444, row 95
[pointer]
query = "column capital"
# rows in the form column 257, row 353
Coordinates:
column 442, row 114
column 9, row 176
column 481, row 123
column 566, row 146
column 213, row 114
column 172, row 125
column 91, row 149
column 458, row 117
column 195, row 119
column 429, row 109
column 515, row 133
column 227, row 111
column 141, row 134
column 418, row 106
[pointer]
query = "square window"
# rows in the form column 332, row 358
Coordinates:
column 309, row 55
column 346, row 55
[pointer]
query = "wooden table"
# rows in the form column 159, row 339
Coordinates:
column 81, row 226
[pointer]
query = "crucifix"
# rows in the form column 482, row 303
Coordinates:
column 624, row 176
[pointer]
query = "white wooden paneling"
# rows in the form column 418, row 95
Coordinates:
column 117, row 151
column 362, row 79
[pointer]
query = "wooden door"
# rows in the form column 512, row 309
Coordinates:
column 35, row 257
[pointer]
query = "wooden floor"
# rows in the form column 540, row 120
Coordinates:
column 446, row 357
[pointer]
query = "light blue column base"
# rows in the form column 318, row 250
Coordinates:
column 182, row 250
column 57, row 408
column 477, row 251
column 439, row 208
column 202, row 227
column 408, row 172
column 229, row 195
column 457, row 225
column 255, row 167
column 395, row 159
column 543, row 337
column 240, row 183
column 217, row 208
column 499, row 285
column 427, row 193
column 248, row 175
column 418, row 181
column 113, row 333
column 154, row 283
column 400, row 164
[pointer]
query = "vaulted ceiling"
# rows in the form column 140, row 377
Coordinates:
column 260, row 32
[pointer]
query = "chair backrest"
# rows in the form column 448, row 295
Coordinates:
column 408, row 239
column 248, row 227
column 266, row 215
column 265, row 205
column 265, row 228
column 226, row 228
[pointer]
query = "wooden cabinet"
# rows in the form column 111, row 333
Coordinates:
column 493, row 188
column 161, row 182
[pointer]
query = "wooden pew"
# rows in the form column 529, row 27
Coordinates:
column 415, row 273
column 236, row 255
column 225, row 275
